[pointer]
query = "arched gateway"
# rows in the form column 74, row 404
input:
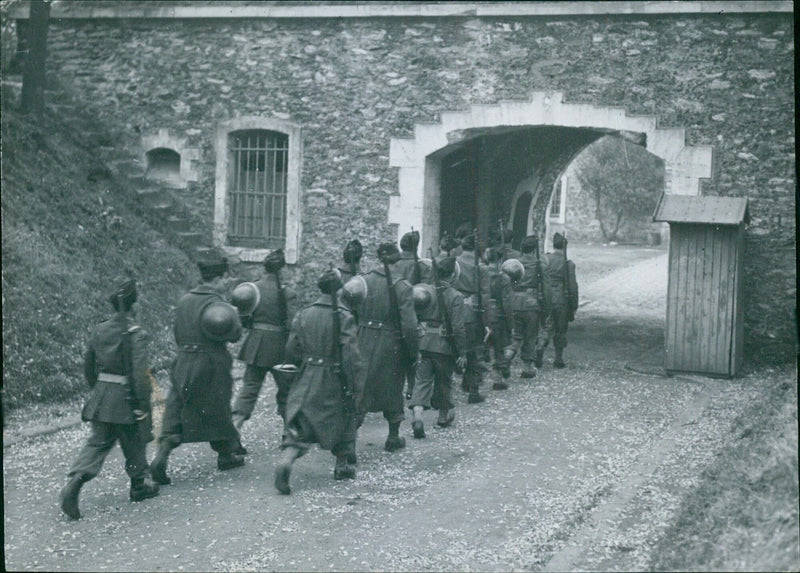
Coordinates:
column 479, row 158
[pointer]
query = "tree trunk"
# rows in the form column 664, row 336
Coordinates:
column 33, row 75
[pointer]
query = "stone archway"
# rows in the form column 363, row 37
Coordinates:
column 420, row 159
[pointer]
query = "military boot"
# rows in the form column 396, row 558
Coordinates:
column 344, row 469
column 143, row 488
column 445, row 418
column 158, row 467
column 229, row 461
column 528, row 370
column 69, row 496
column 559, row 360
column 475, row 397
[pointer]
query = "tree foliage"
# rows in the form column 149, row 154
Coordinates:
column 622, row 180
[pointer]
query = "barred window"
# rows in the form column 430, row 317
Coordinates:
column 257, row 188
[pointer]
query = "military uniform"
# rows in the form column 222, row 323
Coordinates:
column 117, row 370
column 437, row 357
column 501, row 305
column 561, row 296
column 315, row 411
column 264, row 346
column 385, row 372
column 530, row 336
column 198, row 405
column 474, row 320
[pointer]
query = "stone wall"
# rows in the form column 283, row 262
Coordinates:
column 352, row 84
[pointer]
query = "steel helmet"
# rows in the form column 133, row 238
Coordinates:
column 514, row 269
column 246, row 297
column 219, row 320
column 423, row 296
column 354, row 291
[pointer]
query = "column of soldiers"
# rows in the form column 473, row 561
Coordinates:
column 377, row 341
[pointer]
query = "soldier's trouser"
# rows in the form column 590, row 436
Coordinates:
column 171, row 431
column 433, row 386
column 101, row 440
column 252, row 381
column 559, row 321
column 472, row 371
column 500, row 340
column 299, row 433
column 529, row 333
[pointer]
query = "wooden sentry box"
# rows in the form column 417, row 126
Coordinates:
column 704, row 326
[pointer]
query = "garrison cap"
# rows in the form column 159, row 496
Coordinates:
column 388, row 251
column 559, row 241
column 468, row 242
column 330, row 281
column 410, row 241
column 447, row 243
column 275, row 261
column 212, row 266
column 529, row 244
column 353, row 251
column 124, row 292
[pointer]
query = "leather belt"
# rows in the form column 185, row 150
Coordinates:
column 432, row 328
column 267, row 326
column 199, row 348
column 317, row 360
column 112, row 378
column 373, row 324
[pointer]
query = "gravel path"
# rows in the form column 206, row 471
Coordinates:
column 579, row 469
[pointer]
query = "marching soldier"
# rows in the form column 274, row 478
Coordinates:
column 323, row 397
column 116, row 367
column 476, row 320
column 442, row 345
column 353, row 251
column 198, row 405
column 502, row 295
column 561, row 293
column 264, row 347
column 530, row 336
column 388, row 341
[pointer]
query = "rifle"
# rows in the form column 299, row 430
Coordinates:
column 282, row 310
column 142, row 419
column 479, row 292
column 415, row 277
column 539, row 281
column 348, row 400
column 502, row 242
column 444, row 313
column 395, row 320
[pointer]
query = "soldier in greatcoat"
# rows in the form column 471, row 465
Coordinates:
column 117, row 370
column 265, row 343
column 501, row 303
column 476, row 319
column 385, row 348
column 530, row 336
column 198, row 405
column 561, row 294
column 324, row 393
column 440, row 350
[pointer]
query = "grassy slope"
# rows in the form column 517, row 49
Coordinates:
column 64, row 238
column 743, row 516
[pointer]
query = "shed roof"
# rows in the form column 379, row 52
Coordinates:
column 696, row 209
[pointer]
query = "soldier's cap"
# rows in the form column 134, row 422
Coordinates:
column 330, row 281
column 529, row 244
column 124, row 291
column 447, row 243
column 468, row 242
column 212, row 266
column 353, row 251
column 389, row 252
column 493, row 255
column 446, row 266
column 410, row 241
column 559, row 241
column 275, row 261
